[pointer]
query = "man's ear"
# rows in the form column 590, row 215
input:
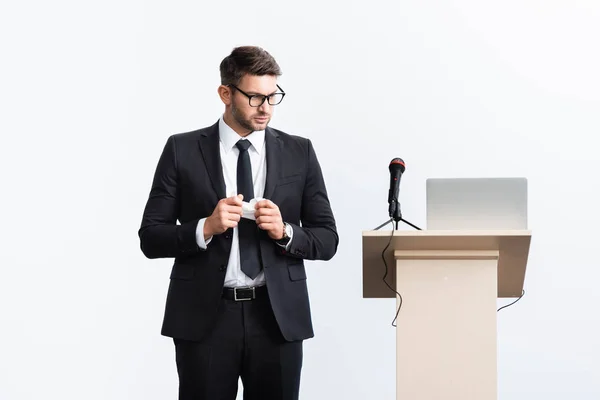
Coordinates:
column 225, row 94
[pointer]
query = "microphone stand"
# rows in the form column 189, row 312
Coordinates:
column 396, row 216
column 396, row 224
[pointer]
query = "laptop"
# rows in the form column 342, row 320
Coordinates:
column 476, row 203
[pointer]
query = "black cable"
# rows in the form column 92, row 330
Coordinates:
column 386, row 273
column 508, row 305
column 385, row 262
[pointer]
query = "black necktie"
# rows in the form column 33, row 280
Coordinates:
column 247, row 229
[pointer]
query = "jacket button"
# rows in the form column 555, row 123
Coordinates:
column 228, row 236
column 222, row 267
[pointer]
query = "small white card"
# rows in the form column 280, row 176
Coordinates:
column 249, row 208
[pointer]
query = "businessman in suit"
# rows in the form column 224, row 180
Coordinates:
column 237, row 303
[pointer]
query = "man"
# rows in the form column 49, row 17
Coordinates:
column 237, row 304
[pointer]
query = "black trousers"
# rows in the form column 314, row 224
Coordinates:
column 245, row 342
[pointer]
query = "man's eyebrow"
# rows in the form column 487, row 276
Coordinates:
column 260, row 94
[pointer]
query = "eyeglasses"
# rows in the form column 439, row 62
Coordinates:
column 257, row 100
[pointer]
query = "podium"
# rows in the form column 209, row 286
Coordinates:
column 449, row 282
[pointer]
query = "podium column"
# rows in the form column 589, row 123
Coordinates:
column 446, row 329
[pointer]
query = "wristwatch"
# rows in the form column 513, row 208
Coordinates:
column 287, row 234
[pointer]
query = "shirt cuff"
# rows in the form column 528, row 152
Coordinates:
column 200, row 235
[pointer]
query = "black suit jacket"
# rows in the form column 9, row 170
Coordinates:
column 187, row 185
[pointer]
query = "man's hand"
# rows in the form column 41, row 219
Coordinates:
column 268, row 218
column 226, row 215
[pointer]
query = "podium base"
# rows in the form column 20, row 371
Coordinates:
column 446, row 332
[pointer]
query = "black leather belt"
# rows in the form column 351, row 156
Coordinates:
column 245, row 293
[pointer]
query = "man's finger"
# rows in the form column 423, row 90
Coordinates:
column 265, row 204
column 234, row 209
column 231, row 224
column 266, row 219
column 234, row 200
column 266, row 211
column 234, row 217
column 267, row 226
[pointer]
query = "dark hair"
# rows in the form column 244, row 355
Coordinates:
column 250, row 60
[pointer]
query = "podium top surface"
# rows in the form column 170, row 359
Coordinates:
column 512, row 245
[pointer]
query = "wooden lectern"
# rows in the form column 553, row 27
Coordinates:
column 449, row 282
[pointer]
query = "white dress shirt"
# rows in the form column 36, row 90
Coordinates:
column 228, row 138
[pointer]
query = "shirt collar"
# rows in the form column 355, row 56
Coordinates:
column 229, row 137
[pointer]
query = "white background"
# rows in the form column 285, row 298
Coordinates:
column 90, row 91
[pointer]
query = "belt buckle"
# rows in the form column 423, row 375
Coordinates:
column 235, row 295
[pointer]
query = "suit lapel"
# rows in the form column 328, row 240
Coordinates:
column 209, row 146
column 274, row 153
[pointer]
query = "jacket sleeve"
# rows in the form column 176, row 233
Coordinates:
column 317, row 238
column 160, row 235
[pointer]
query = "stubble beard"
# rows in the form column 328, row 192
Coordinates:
column 246, row 123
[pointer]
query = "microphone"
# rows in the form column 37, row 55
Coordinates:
column 397, row 168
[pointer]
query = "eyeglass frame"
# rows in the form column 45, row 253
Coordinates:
column 250, row 96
